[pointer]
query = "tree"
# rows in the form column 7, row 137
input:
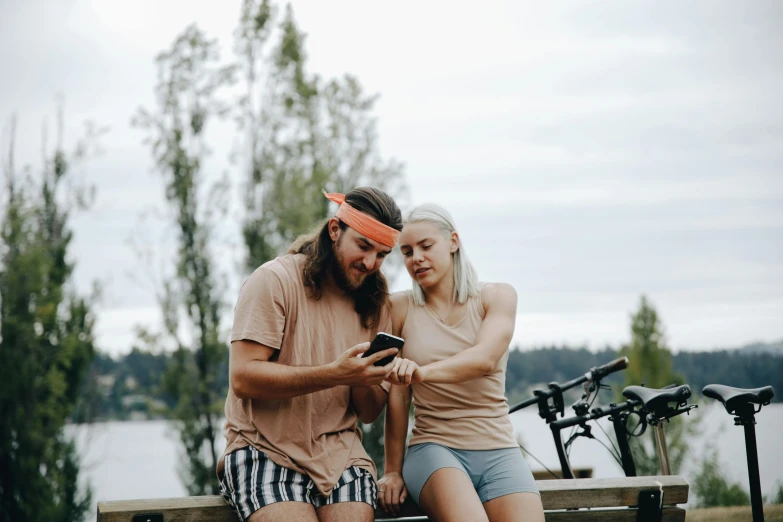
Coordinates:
column 649, row 359
column 190, row 75
column 777, row 497
column 712, row 489
column 304, row 135
column 46, row 339
column 373, row 441
column 650, row 364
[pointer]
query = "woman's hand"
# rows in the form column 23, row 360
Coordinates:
column 392, row 492
column 405, row 372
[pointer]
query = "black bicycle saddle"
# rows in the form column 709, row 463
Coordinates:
column 655, row 400
column 735, row 398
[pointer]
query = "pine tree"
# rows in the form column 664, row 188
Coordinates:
column 650, row 364
column 187, row 96
column 46, row 340
column 304, row 135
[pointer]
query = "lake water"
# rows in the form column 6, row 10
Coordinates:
column 139, row 459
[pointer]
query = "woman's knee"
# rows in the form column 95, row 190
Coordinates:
column 523, row 506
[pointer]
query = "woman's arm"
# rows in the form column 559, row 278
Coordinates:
column 368, row 401
column 396, row 428
column 494, row 337
column 391, row 488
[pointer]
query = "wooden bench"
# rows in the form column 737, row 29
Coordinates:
column 575, row 500
column 542, row 474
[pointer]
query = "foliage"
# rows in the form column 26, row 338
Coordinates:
column 372, row 440
column 526, row 371
column 190, row 76
column 534, row 368
column 777, row 496
column 712, row 489
column 650, row 364
column 304, row 134
column 46, row 338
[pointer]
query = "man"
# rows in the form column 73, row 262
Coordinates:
column 297, row 383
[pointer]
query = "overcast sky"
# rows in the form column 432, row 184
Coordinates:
column 590, row 152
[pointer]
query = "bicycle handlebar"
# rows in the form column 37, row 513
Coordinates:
column 545, row 395
column 596, row 413
column 594, row 374
column 600, row 372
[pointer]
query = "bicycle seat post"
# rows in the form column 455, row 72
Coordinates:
column 662, row 448
column 746, row 417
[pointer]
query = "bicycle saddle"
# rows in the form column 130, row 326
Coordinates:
column 735, row 398
column 655, row 400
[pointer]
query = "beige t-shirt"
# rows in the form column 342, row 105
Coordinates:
column 317, row 433
column 471, row 415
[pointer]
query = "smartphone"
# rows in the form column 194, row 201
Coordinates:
column 384, row 341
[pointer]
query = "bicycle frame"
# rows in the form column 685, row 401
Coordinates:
column 621, row 433
column 616, row 413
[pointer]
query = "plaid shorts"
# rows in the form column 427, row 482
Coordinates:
column 251, row 481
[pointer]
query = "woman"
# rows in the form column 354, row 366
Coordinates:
column 463, row 462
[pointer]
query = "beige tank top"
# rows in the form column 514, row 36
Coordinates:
column 472, row 415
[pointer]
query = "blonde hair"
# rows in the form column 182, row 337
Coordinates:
column 466, row 282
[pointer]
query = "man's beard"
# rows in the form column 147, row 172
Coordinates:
column 340, row 275
column 344, row 281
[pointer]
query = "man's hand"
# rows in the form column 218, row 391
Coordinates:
column 352, row 370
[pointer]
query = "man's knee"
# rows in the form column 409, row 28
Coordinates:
column 346, row 512
column 283, row 511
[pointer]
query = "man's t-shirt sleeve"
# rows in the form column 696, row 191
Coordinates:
column 259, row 314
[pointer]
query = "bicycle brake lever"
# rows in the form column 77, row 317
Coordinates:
column 585, row 432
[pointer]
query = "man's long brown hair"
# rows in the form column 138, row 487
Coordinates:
column 321, row 261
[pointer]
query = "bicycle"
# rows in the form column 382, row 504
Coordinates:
column 550, row 402
column 651, row 405
column 742, row 403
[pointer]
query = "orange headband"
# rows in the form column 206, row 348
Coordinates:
column 363, row 223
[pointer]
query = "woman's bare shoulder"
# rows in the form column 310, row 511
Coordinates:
column 400, row 298
column 501, row 293
column 399, row 306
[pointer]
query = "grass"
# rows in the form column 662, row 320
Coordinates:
column 772, row 513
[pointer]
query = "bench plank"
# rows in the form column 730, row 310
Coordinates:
column 180, row 509
column 555, row 495
column 589, row 493
column 542, row 474
column 608, row 492
column 670, row 514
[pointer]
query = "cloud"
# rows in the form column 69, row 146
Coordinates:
column 589, row 152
